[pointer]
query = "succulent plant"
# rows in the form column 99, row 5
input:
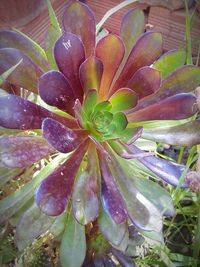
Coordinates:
column 100, row 97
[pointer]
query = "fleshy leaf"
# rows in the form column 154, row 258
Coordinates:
column 132, row 27
column 142, row 212
column 12, row 39
column 90, row 101
column 14, row 202
column 113, row 232
column 170, row 61
column 151, row 190
column 69, row 54
column 146, row 50
column 90, row 72
column 124, row 260
column 18, row 113
column 145, row 81
column 123, row 99
column 22, row 151
column 61, row 137
column 176, row 107
column 110, row 195
column 130, row 135
column 187, row 134
column 73, row 244
column 79, row 19
column 52, row 199
column 120, row 121
column 183, row 80
column 85, row 196
column 166, row 170
column 110, row 50
column 25, row 75
column 56, row 91
column 32, row 224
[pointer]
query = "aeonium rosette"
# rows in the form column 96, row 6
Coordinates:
column 104, row 92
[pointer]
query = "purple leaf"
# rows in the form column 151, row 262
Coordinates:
column 69, row 54
column 110, row 195
column 165, row 169
column 145, row 81
column 110, row 50
column 132, row 27
column 56, row 91
column 12, row 39
column 124, row 260
column 146, row 50
column 79, row 19
column 187, row 134
column 22, row 151
column 142, row 212
column 60, row 137
column 183, row 80
column 25, row 75
column 18, row 113
column 53, row 193
column 85, row 202
column 90, row 72
column 113, row 232
column 176, row 107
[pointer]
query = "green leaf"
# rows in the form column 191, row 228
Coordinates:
column 13, row 203
column 105, row 105
column 73, row 244
column 90, row 101
column 5, row 75
column 32, row 224
column 120, row 121
column 170, row 61
column 113, row 232
column 53, row 34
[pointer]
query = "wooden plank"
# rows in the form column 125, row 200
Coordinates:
column 172, row 26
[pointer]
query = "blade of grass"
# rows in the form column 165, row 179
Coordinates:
column 111, row 12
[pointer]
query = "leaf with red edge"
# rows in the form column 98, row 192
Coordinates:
column 85, row 203
column 123, row 99
column 170, row 61
column 145, row 81
column 22, row 151
column 79, row 19
column 56, row 91
column 69, row 55
column 132, row 27
column 110, row 50
column 25, row 75
column 110, row 195
column 61, row 137
column 142, row 212
column 176, row 107
column 54, row 192
column 166, row 170
column 12, row 39
column 18, row 113
column 183, row 80
column 123, row 259
column 113, row 232
column 187, row 134
column 90, row 72
column 146, row 50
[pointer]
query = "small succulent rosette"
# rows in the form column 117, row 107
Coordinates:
column 101, row 97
